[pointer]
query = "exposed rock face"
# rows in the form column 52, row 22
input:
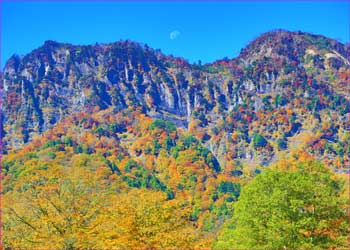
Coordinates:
column 43, row 87
column 55, row 80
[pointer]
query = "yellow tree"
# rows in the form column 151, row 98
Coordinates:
column 54, row 208
column 144, row 219
column 74, row 208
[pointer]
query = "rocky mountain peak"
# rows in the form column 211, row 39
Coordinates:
column 60, row 79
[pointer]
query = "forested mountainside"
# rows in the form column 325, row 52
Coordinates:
column 89, row 130
column 281, row 89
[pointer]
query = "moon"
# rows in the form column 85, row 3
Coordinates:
column 174, row 34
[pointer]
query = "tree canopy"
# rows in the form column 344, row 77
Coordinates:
column 296, row 205
column 71, row 208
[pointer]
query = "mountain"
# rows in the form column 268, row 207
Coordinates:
column 279, row 70
column 139, row 119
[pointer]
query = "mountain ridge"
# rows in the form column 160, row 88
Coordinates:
column 254, row 40
column 58, row 79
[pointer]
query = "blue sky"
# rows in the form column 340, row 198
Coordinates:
column 201, row 30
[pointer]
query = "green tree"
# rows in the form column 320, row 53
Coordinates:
column 282, row 144
column 280, row 100
column 299, row 207
column 68, row 141
column 259, row 141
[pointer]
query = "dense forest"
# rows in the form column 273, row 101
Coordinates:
column 118, row 146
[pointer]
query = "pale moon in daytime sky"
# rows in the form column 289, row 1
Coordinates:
column 174, row 34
